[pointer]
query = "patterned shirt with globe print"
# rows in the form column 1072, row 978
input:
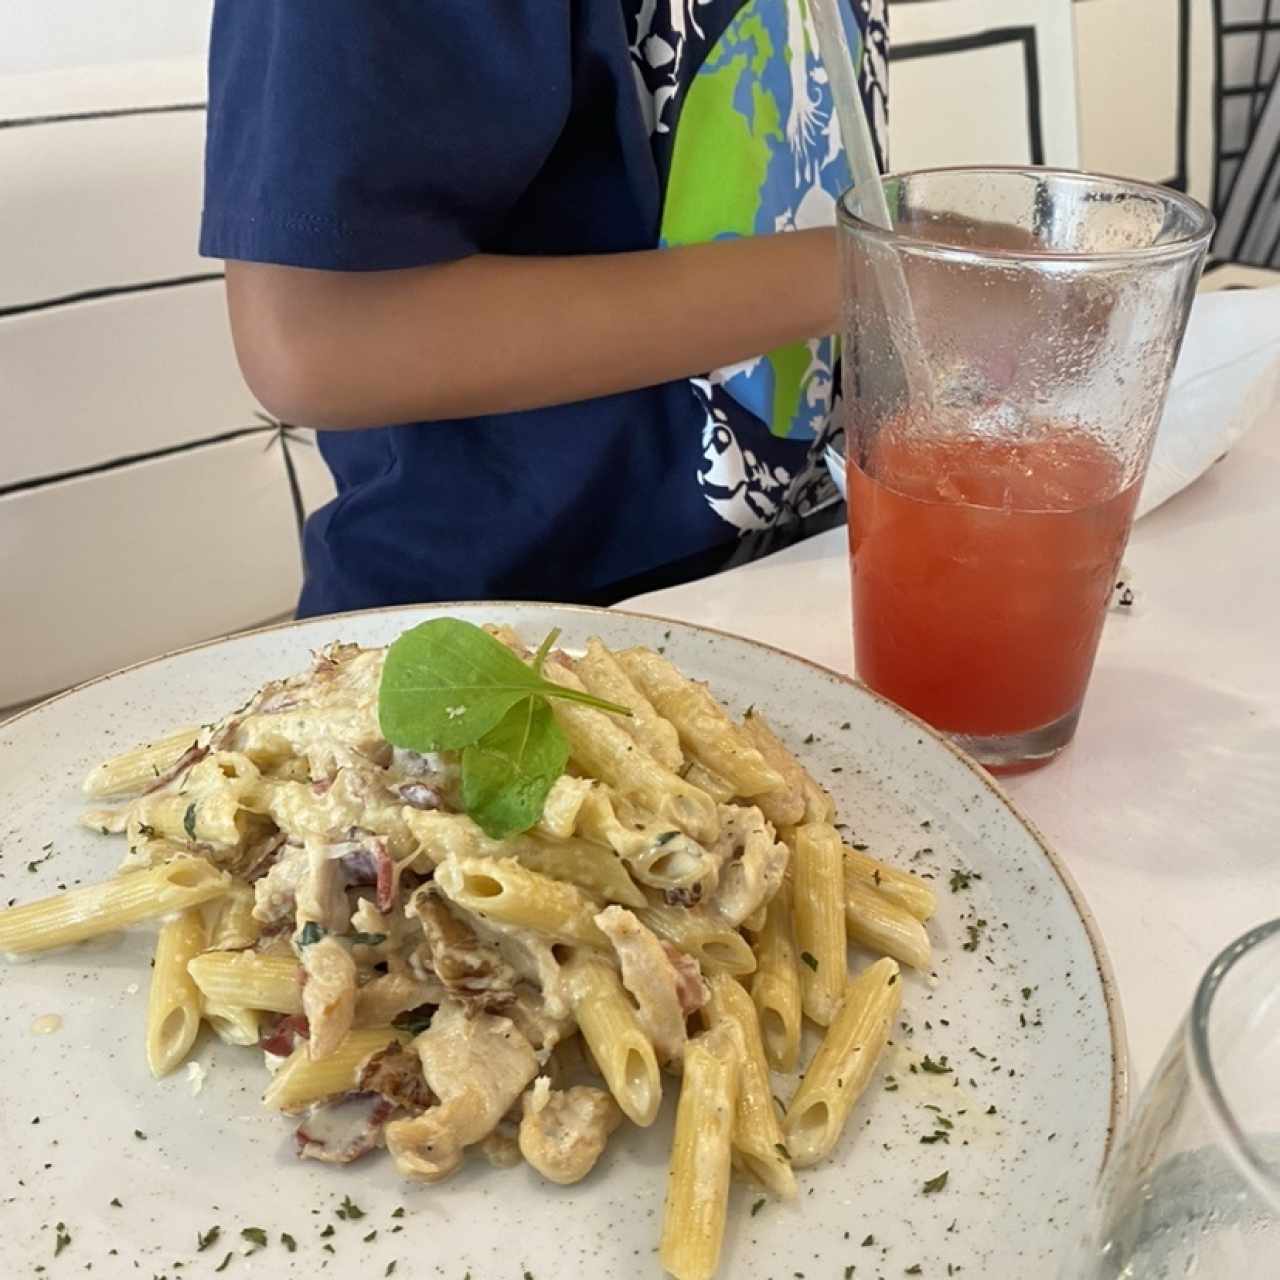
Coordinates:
column 744, row 128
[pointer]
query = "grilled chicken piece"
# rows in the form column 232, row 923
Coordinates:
column 563, row 1133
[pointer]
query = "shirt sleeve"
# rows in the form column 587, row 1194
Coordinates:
column 373, row 134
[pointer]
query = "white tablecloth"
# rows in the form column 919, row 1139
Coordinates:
column 1167, row 806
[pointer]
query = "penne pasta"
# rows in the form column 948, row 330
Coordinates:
column 286, row 769
column 775, row 987
column 439, row 835
column 757, row 1130
column 233, row 926
column 882, row 926
column 753, row 865
column 698, row 1180
column 510, row 637
column 560, row 809
column 232, row 1024
column 607, row 751
column 705, row 729
column 303, row 1080
column 819, row 917
column 605, row 676
column 908, row 891
column 106, row 822
column 651, row 978
column 134, row 771
column 215, row 818
column 230, row 771
column 173, row 1005
column 721, row 790
column 114, row 904
column 245, row 979
column 712, row 943
column 818, row 804
column 592, row 867
column 620, row 1046
column 844, row 1063
column 787, row 806
column 656, row 853
column 328, row 994
column 146, row 852
column 502, row 890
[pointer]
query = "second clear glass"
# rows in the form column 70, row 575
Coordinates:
column 1193, row 1187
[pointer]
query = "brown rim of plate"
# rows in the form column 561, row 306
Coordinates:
column 1119, row 1103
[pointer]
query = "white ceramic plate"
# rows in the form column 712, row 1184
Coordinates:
column 1027, row 1019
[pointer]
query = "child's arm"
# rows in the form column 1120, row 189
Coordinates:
column 487, row 334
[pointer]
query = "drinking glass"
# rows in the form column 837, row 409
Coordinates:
column 1193, row 1188
column 1007, row 351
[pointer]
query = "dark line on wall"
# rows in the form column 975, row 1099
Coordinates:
column 959, row 44
column 1031, row 61
column 1026, row 36
column 113, row 113
column 1182, row 179
column 1249, row 28
column 131, row 459
column 1255, row 106
column 108, row 291
column 1273, row 253
column 1259, row 193
column 1216, row 200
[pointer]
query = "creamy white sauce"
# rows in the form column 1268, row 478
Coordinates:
column 338, row 1125
column 919, row 1090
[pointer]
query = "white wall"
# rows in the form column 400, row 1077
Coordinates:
column 47, row 35
column 133, row 434
column 1127, row 69
column 959, row 90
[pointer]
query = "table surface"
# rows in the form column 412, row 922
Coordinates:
column 1166, row 808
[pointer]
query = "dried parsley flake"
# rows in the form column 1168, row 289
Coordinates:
column 349, row 1210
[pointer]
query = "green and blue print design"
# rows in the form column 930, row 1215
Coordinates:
column 752, row 146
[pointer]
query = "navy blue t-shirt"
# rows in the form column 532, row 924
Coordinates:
column 360, row 136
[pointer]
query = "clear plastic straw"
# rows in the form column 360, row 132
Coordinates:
column 855, row 133
column 851, row 116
